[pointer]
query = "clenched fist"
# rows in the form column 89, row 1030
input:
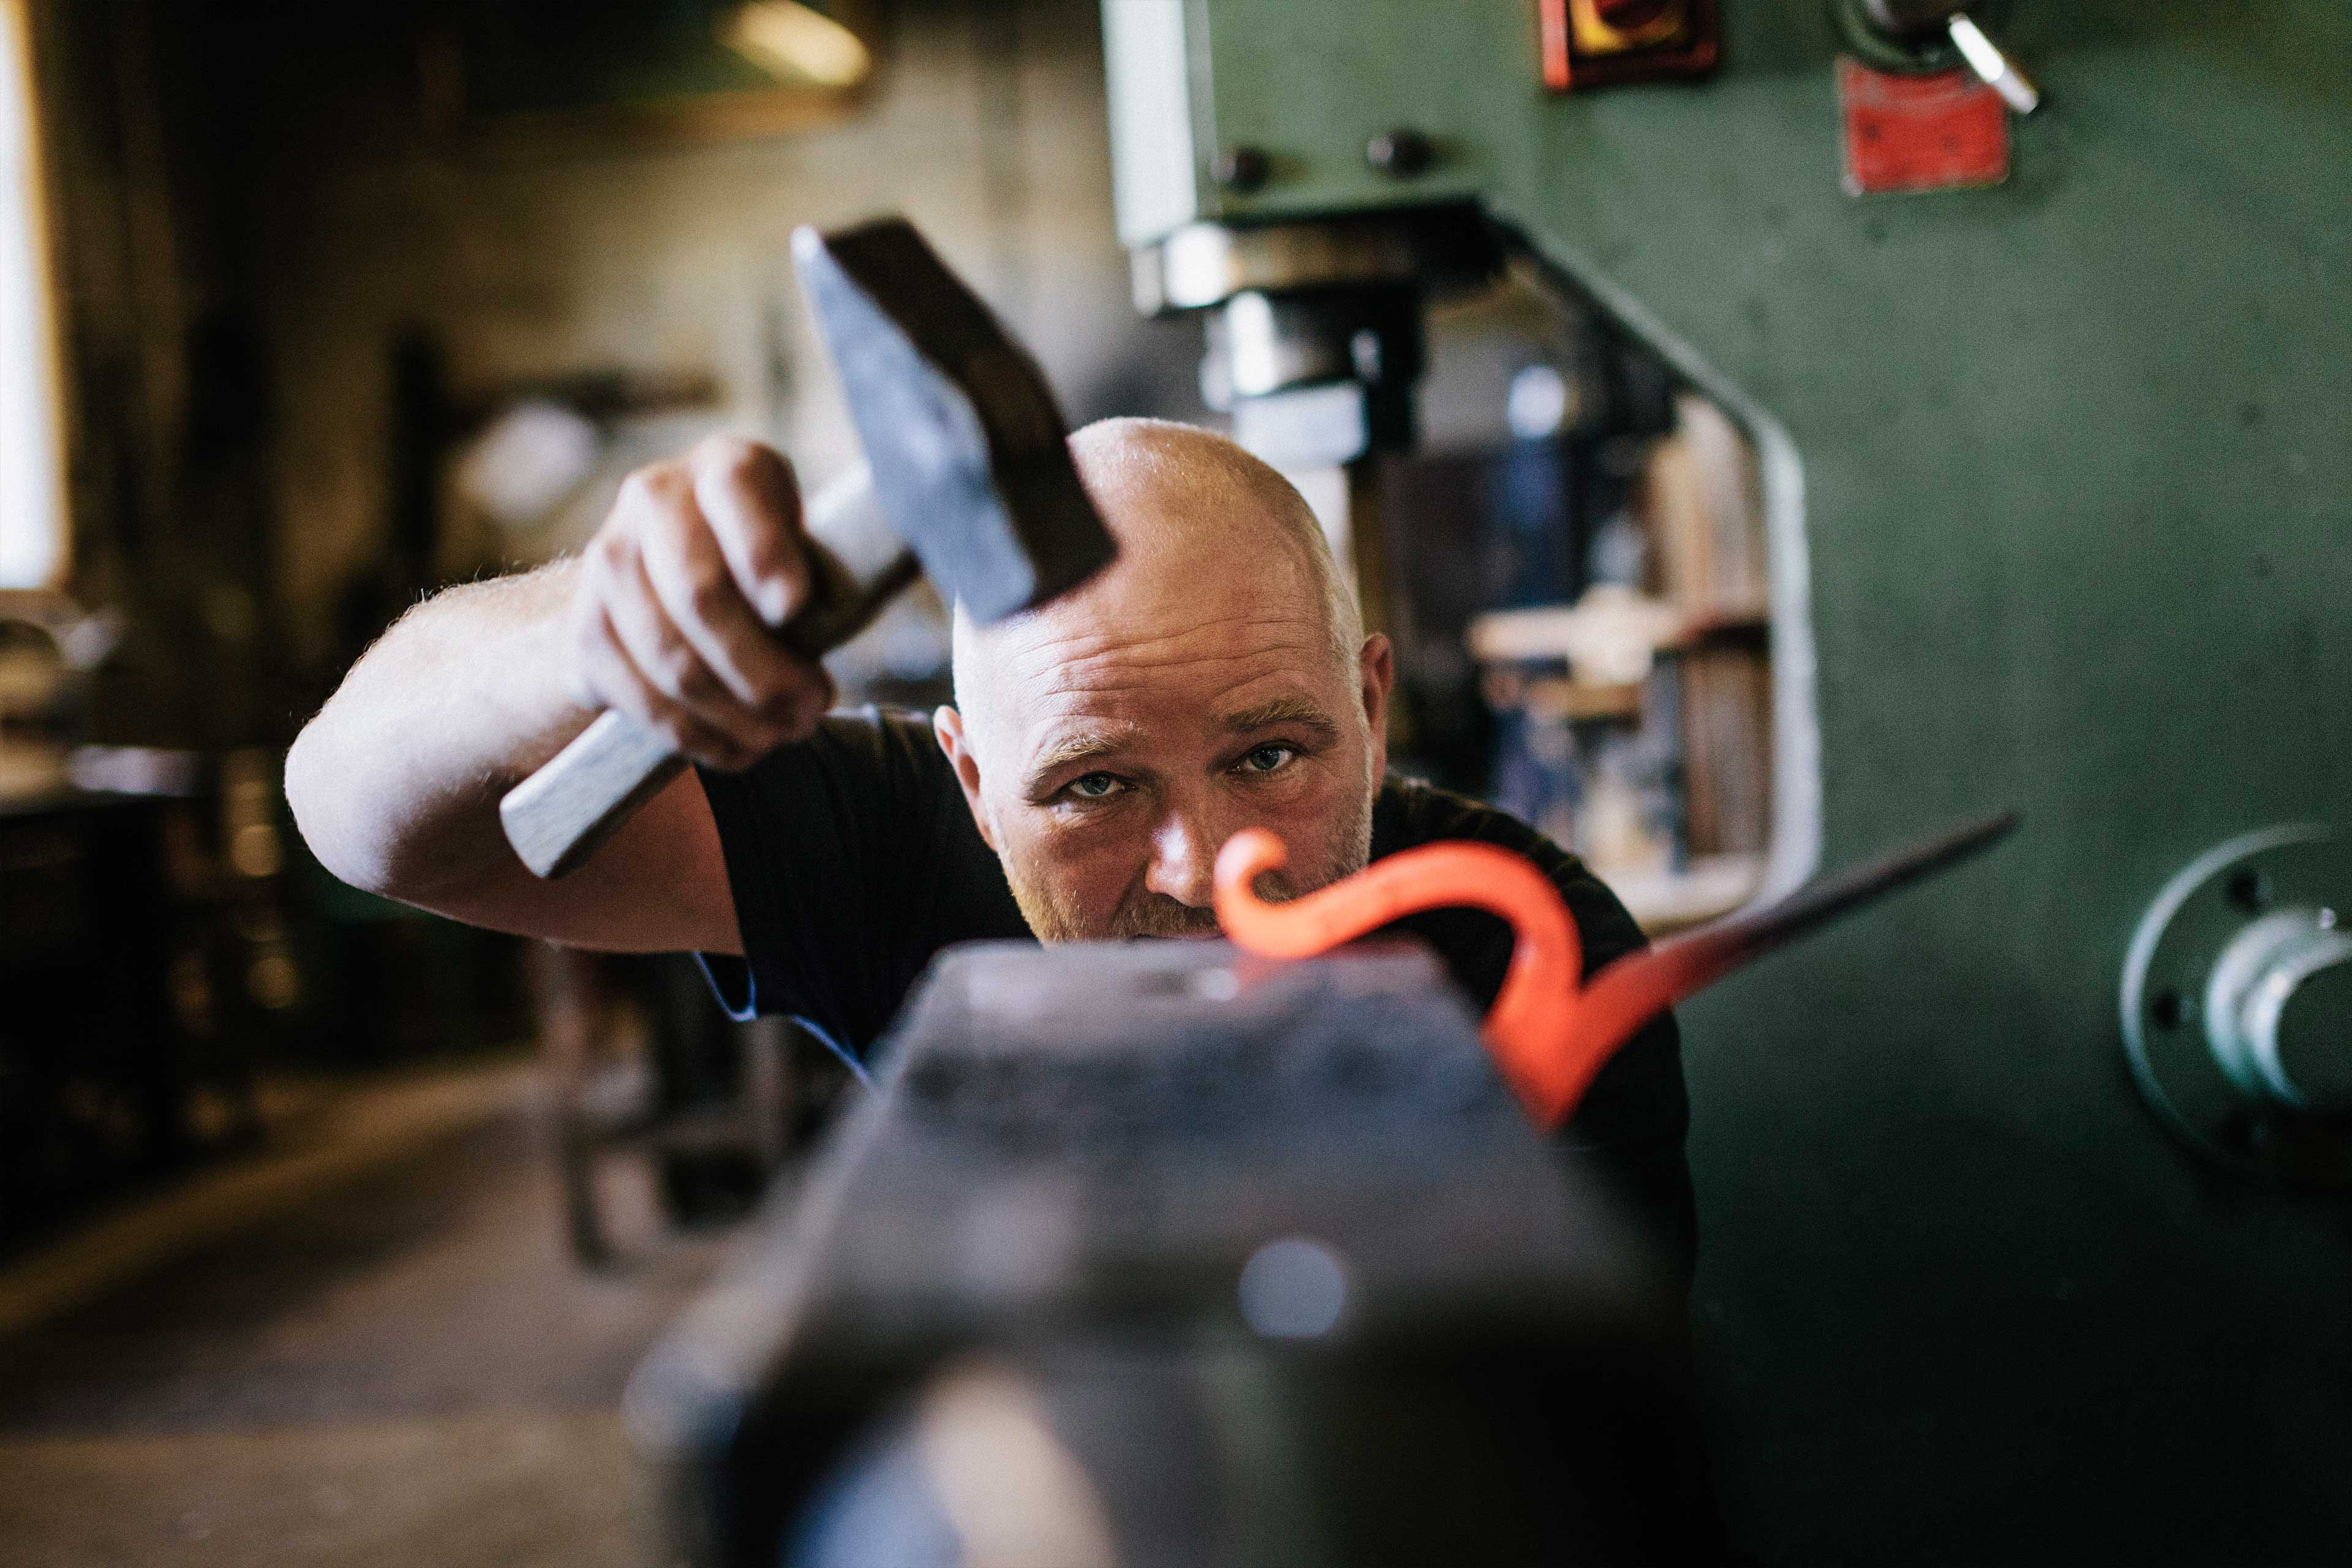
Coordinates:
column 680, row 599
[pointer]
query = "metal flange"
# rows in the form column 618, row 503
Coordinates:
column 2236, row 1003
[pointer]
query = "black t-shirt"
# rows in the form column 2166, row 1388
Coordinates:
column 854, row 859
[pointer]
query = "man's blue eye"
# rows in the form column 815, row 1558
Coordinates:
column 1266, row 759
column 1092, row 786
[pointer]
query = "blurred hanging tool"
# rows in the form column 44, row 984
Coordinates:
column 1550, row 1032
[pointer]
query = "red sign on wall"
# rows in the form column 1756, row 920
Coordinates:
column 1937, row 132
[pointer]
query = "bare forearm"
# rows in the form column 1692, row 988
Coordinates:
column 668, row 616
column 396, row 783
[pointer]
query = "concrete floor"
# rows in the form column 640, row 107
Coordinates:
column 400, row 1364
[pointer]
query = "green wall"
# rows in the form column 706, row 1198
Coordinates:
column 2077, row 489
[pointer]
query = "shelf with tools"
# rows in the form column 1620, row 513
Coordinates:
column 1636, row 720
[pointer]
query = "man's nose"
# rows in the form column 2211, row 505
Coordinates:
column 1184, row 858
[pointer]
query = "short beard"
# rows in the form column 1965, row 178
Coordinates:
column 1342, row 852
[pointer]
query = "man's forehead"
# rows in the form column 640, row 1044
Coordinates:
column 1182, row 625
column 1200, row 677
column 1172, row 643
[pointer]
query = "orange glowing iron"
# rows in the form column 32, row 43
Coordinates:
column 1550, row 1031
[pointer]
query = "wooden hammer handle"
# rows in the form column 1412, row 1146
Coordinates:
column 562, row 814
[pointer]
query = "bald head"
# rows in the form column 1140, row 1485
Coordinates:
column 1179, row 502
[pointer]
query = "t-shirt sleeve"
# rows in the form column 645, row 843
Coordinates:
column 852, row 859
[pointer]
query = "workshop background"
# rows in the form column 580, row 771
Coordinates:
column 1768, row 435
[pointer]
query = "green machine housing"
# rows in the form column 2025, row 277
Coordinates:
column 2023, row 1224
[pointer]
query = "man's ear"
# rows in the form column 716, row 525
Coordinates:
column 947, row 725
column 1376, row 675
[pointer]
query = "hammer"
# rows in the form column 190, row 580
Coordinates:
column 966, row 458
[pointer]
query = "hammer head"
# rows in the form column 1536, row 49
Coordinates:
column 968, row 453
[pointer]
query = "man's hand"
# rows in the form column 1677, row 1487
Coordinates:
column 679, row 599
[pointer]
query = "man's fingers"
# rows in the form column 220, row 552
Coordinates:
column 748, row 496
column 665, row 661
column 613, row 680
column 690, row 578
column 679, row 595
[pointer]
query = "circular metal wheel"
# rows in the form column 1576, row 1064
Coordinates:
column 2218, row 962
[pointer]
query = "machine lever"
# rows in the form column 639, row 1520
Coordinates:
column 1995, row 64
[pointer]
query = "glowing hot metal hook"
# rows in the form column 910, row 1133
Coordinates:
column 1549, row 1031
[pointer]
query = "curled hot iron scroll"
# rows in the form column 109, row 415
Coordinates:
column 1550, row 1030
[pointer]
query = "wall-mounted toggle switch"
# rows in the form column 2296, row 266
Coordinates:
column 1934, row 33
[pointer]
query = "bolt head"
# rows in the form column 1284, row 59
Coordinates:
column 1244, row 168
column 1401, row 153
